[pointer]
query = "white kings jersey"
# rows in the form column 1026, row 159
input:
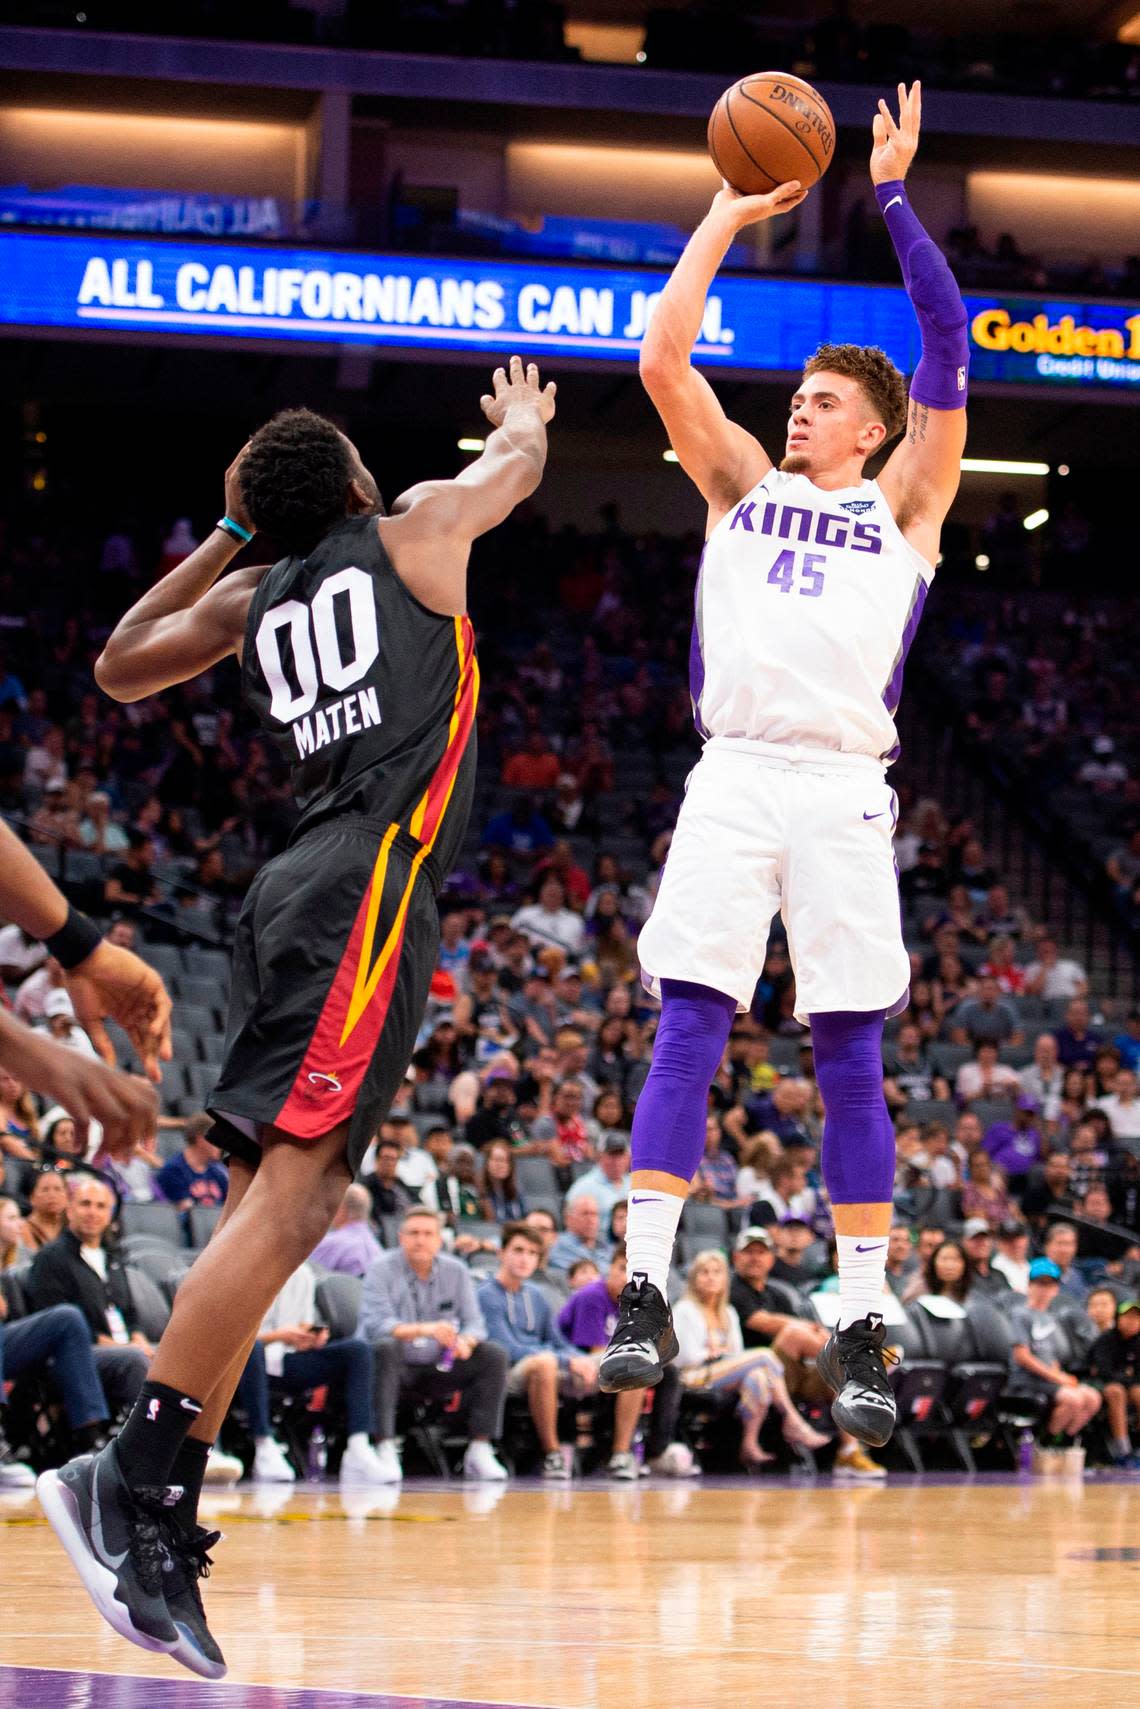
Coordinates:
column 807, row 603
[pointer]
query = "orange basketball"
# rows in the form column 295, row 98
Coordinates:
column 769, row 128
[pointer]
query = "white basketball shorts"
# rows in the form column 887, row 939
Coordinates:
column 799, row 831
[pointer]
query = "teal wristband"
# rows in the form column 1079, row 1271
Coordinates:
column 234, row 529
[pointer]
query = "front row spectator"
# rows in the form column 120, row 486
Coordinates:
column 544, row 1366
column 297, row 1353
column 587, row 1320
column 197, row 1176
column 1114, row 1363
column 713, row 1359
column 350, row 1247
column 1043, row 1351
column 419, row 1310
column 82, row 1268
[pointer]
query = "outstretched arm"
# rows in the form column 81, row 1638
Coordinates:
column 429, row 532
column 721, row 459
column 922, row 474
column 185, row 623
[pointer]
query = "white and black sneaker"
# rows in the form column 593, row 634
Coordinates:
column 853, row 1364
column 643, row 1342
column 197, row 1647
column 116, row 1539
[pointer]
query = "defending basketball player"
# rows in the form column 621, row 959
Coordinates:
column 358, row 660
column 810, row 591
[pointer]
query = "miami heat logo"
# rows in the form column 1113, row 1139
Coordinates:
column 330, row 1080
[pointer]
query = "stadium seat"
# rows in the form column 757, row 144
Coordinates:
column 203, row 1221
column 150, row 1304
column 708, row 1223
column 154, row 1219
column 203, row 993
column 211, row 964
column 202, row 1077
column 184, row 1044
column 541, row 1202
column 195, row 1019
column 535, row 1178
column 932, row 1110
column 990, row 1110
column 948, row 1058
column 784, row 1054
column 166, row 959
column 338, row 1303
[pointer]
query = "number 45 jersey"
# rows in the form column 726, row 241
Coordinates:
column 807, row 603
column 369, row 695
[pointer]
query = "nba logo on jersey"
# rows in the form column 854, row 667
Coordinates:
column 152, row 1410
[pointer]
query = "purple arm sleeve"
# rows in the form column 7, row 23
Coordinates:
column 940, row 378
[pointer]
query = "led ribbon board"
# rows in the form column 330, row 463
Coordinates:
column 344, row 297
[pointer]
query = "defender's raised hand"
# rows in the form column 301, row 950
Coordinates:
column 518, row 387
column 896, row 142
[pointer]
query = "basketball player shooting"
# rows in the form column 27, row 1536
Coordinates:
column 810, row 591
column 358, row 661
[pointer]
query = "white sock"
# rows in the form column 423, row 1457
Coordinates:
column 650, row 1234
column 862, row 1271
column 358, row 1439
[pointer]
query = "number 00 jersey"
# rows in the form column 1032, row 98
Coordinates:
column 807, row 603
column 369, row 695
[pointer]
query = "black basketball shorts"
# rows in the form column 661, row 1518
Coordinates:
column 333, row 958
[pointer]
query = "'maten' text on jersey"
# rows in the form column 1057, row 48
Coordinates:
column 369, row 695
column 807, row 603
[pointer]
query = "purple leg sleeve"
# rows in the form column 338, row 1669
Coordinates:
column 940, row 378
column 669, row 1122
column 858, row 1139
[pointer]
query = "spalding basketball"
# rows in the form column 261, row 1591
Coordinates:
column 770, row 128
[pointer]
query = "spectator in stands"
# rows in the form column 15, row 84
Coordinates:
column 418, row 1167
column 898, row 1256
column 454, row 946
column 1011, row 1259
column 132, row 1178
column 1077, row 1043
column 1015, row 1146
column 497, row 1117
column 581, row 1273
column 988, row 1018
column 715, row 1180
column 28, row 1003
column 948, row 1272
column 712, row 1359
column 98, row 832
column 534, row 768
column 55, row 1343
column 927, row 878
column 47, row 1214
column 1043, row 1080
column 548, row 921
column 784, row 1112
column 197, row 1176
column 1128, row 1042
column 132, row 885
column 608, row 1181
column 19, row 1124
column 1051, row 976
column 60, row 1022
column 607, row 1120
column 521, row 830
column 1122, row 1107
column 543, row 1366
column 1114, row 1364
column 500, row 1198
column 1123, row 864
column 82, row 1268
column 793, row 1237
column 350, row 1248
column 545, row 1226
column 20, row 954
column 581, row 1238
column 295, row 1352
column 388, row 1194
column 610, row 943
column 562, row 1135
column 420, row 1312
column 1060, row 1247
column 787, row 1192
column 587, row 1321
column 457, row 1194
column 985, row 1076
column 1044, row 1353
column 1002, row 919
column 1106, row 1066
column 1001, row 966
column 978, row 1245
column 55, row 823
column 911, row 1076
column 984, row 1195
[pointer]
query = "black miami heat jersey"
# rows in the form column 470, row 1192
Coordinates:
column 370, row 696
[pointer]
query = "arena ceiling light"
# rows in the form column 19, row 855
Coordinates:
column 471, row 444
column 1001, row 466
column 1035, row 519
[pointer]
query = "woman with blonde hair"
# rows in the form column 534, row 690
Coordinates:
column 712, row 1357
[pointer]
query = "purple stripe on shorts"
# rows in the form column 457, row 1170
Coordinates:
column 892, row 694
column 696, row 653
column 44, row 1688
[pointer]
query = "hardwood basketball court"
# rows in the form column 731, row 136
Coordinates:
column 949, row 1595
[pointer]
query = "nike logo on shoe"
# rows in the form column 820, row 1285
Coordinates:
column 875, row 815
column 100, row 1547
column 877, row 1248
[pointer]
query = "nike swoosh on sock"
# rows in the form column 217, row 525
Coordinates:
column 877, row 1248
column 646, row 1199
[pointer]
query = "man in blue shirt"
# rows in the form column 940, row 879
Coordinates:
column 544, row 1366
column 581, row 1237
column 196, row 1176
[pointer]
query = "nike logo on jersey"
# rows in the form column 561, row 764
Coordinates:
column 875, row 815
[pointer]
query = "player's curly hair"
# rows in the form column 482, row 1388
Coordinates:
column 294, row 479
column 872, row 369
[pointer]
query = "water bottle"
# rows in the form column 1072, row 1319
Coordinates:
column 318, row 1456
column 1025, row 1453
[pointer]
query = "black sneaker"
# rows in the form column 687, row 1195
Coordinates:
column 196, row 1647
column 116, row 1542
column 643, row 1342
column 854, row 1364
